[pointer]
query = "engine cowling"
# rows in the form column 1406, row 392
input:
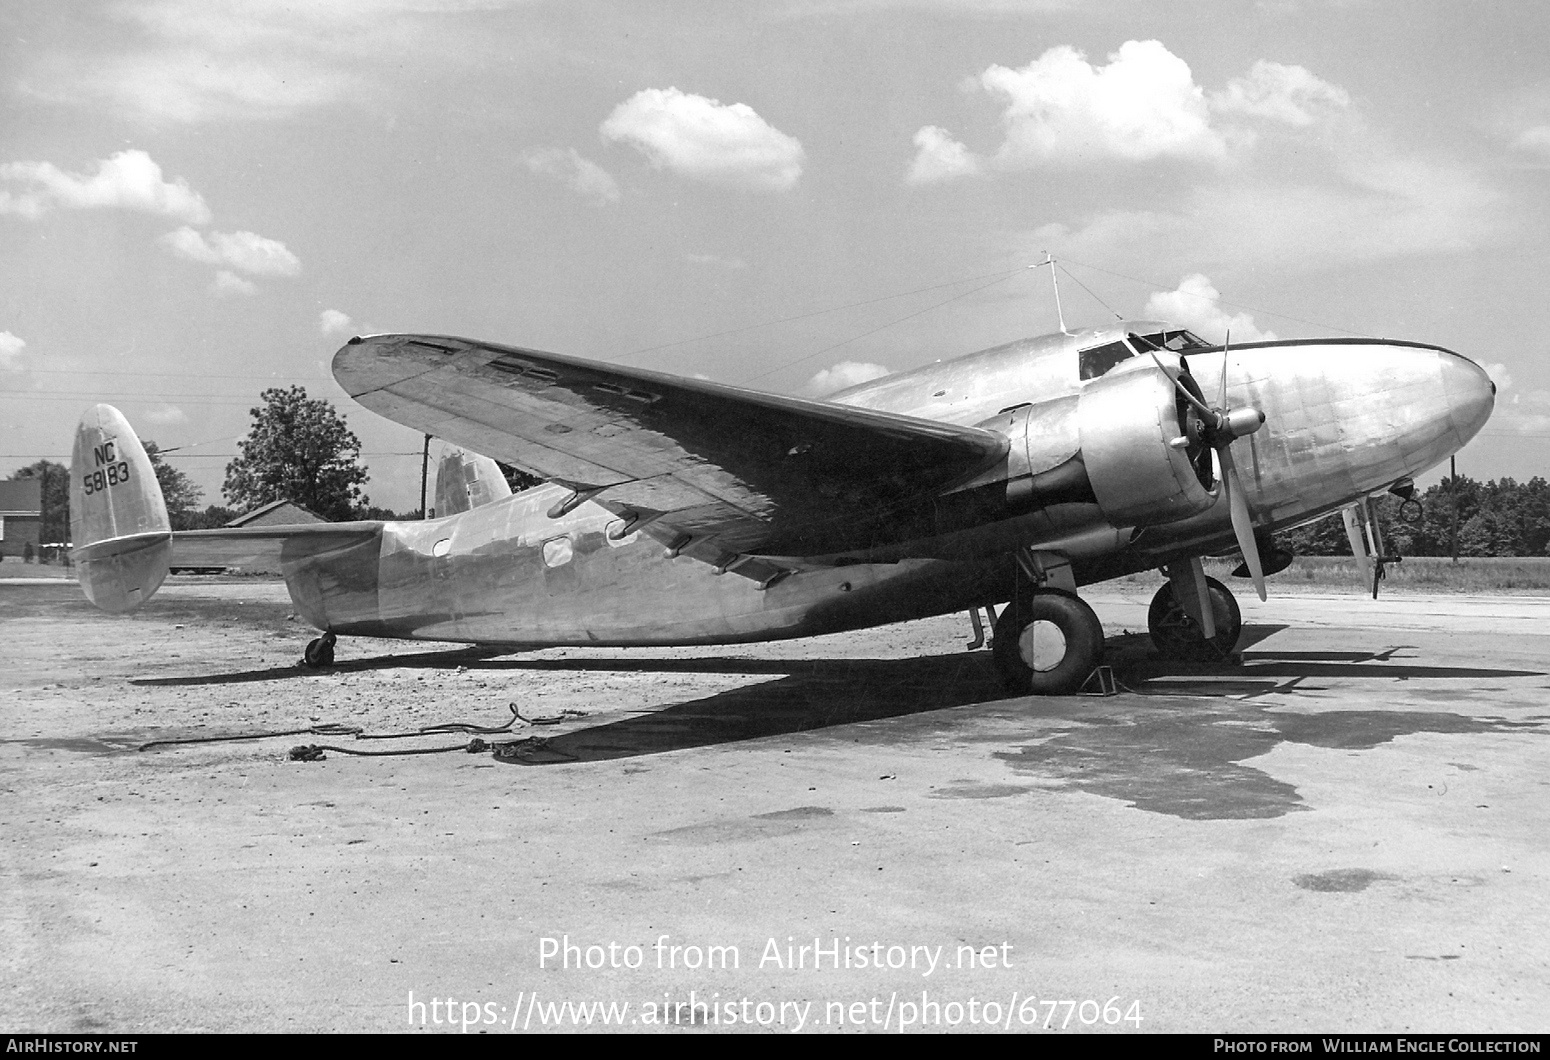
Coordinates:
column 1128, row 419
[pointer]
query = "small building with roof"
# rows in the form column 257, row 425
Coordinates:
column 21, row 515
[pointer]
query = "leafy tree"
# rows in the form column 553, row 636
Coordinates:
column 212, row 518
column 56, row 499
column 518, row 479
column 300, row 450
column 386, row 515
column 177, row 489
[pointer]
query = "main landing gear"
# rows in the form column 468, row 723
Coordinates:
column 1047, row 642
column 1178, row 636
column 320, row 653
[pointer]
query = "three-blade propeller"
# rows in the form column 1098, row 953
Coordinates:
column 1219, row 428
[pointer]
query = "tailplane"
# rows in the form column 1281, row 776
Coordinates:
column 118, row 520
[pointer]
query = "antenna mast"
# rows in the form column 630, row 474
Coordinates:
column 1059, row 314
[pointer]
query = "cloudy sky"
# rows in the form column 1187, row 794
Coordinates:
column 202, row 198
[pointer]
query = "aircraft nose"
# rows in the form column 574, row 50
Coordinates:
column 1470, row 394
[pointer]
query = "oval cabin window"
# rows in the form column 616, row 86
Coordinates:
column 557, row 552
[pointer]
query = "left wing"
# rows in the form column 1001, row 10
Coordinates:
column 717, row 471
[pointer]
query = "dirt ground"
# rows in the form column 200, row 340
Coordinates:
column 1350, row 831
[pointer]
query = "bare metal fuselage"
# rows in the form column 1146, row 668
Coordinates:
column 1345, row 418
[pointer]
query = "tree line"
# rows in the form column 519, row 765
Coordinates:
column 1501, row 517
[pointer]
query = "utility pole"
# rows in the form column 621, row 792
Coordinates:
column 425, row 469
column 1453, row 496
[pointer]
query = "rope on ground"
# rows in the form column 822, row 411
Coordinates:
column 332, row 729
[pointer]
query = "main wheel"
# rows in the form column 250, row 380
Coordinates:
column 319, row 654
column 1178, row 636
column 1047, row 642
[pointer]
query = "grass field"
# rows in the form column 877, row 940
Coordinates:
column 1421, row 574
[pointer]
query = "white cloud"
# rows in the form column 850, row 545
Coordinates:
column 230, row 283
column 1524, row 411
column 707, row 140
column 843, row 375
column 716, row 260
column 1499, row 375
column 576, row 172
column 1534, row 141
column 1143, row 105
column 1193, row 304
column 129, row 180
column 11, row 351
column 220, row 60
column 196, row 87
column 333, row 322
column 1287, row 94
column 940, row 158
column 166, row 415
column 1370, row 209
column 240, row 250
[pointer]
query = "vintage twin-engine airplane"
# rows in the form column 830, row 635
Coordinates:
column 681, row 511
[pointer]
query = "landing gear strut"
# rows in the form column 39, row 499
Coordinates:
column 1178, row 636
column 1047, row 642
column 320, row 653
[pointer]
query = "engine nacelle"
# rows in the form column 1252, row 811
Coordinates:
column 1128, row 419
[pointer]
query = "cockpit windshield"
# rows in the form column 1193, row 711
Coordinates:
column 1097, row 360
column 1179, row 341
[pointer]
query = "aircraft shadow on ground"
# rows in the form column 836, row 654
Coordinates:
column 1176, row 742
column 1178, row 751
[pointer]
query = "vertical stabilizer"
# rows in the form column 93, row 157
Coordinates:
column 467, row 480
column 118, row 521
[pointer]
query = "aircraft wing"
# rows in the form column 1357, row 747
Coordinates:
column 719, row 469
column 246, row 546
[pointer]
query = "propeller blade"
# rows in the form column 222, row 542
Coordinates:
column 1353, row 533
column 1242, row 526
column 1222, row 403
column 1203, row 594
column 1200, row 406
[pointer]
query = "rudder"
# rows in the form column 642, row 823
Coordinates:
column 467, row 480
column 121, row 536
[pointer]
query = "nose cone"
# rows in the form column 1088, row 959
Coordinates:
column 1470, row 394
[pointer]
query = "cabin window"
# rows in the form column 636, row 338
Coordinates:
column 1099, row 359
column 557, row 552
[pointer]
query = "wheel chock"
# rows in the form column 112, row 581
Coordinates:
column 1100, row 683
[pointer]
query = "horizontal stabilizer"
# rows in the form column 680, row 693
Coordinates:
column 118, row 520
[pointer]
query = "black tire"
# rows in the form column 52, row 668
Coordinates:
column 319, row 654
column 1047, row 643
column 1177, row 636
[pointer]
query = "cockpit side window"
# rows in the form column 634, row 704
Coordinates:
column 1099, row 359
column 1179, row 341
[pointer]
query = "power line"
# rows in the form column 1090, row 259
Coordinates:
column 820, row 312
column 874, row 331
column 1221, row 301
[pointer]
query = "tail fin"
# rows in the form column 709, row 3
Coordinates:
column 467, row 480
column 118, row 521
